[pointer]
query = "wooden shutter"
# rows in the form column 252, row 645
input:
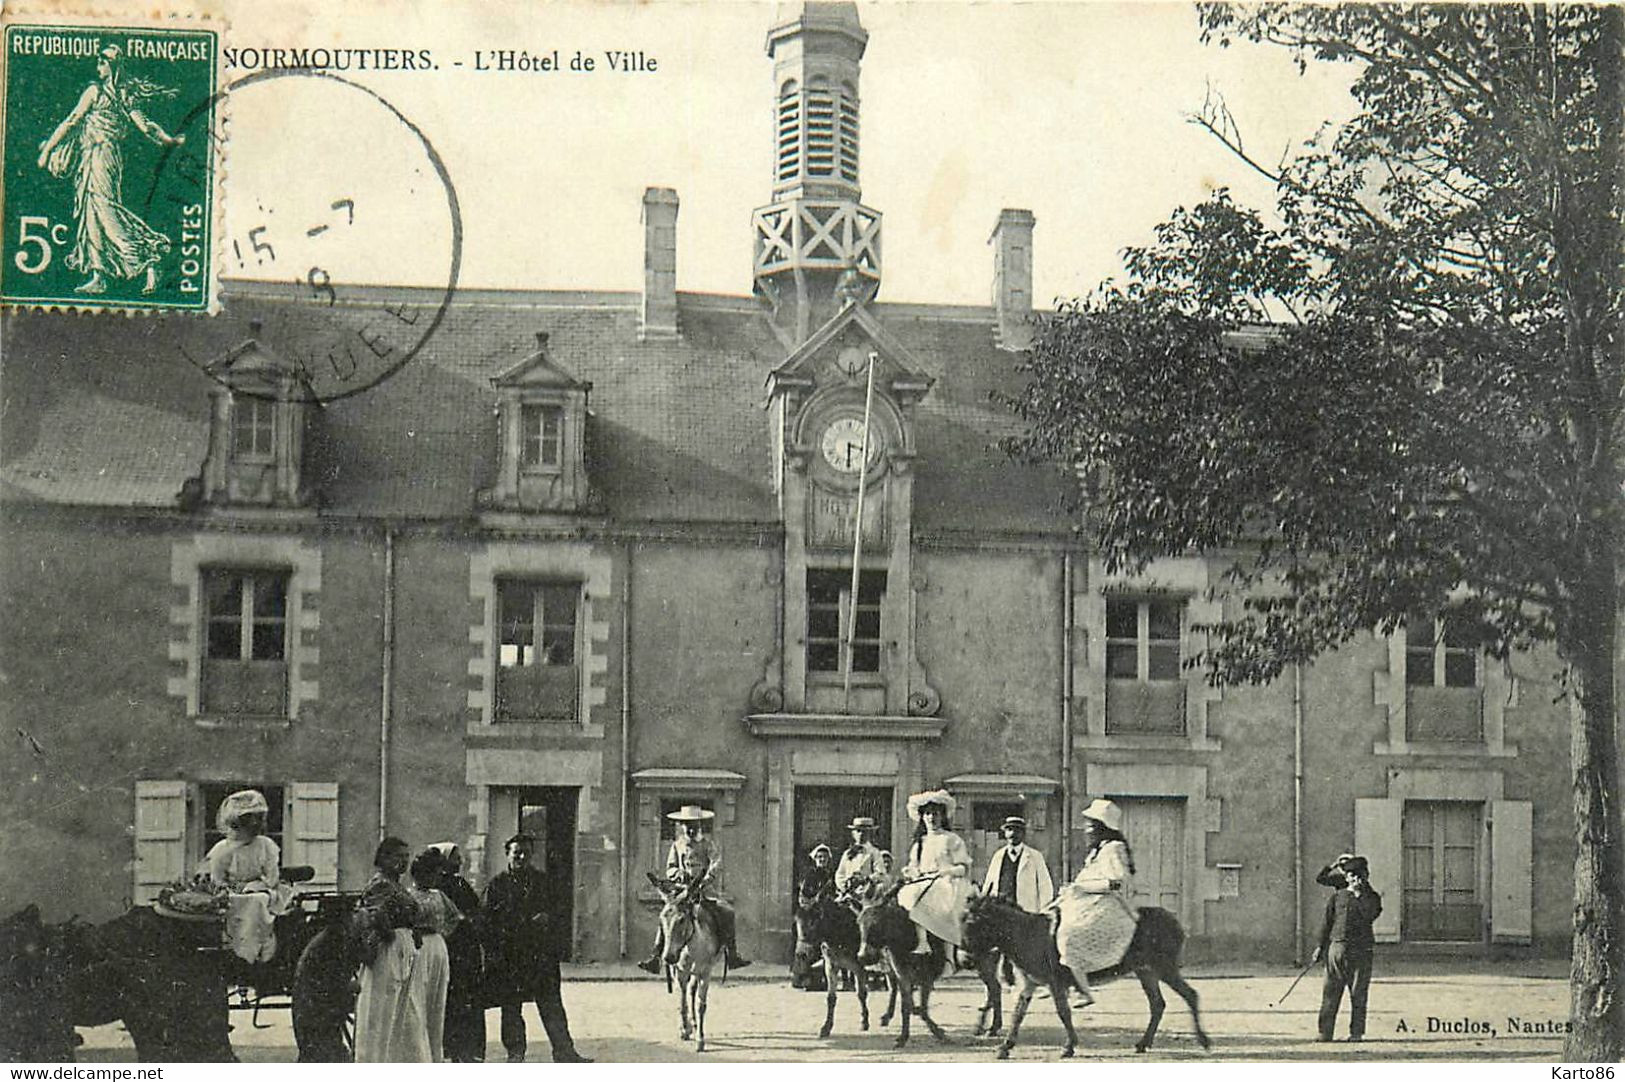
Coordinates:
column 1511, row 871
column 160, row 837
column 1376, row 837
column 312, row 831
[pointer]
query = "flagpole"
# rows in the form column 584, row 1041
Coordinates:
column 857, row 536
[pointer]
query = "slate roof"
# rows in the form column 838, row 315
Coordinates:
column 107, row 411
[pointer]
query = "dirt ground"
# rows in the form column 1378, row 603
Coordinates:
column 1418, row 1012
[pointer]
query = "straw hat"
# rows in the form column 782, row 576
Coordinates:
column 1013, row 821
column 1105, row 812
column 691, row 813
column 862, row 822
column 935, row 796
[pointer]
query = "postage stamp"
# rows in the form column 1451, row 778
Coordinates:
column 111, row 166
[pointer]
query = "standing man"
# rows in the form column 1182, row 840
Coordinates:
column 524, row 953
column 1346, row 943
column 861, row 860
column 1018, row 873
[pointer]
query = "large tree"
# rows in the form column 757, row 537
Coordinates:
column 1401, row 393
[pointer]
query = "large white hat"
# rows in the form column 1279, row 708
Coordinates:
column 239, row 804
column 1104, row 811
column 934, row 796
column 691, row 813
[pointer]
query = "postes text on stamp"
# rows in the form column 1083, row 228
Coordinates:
column 110, row 166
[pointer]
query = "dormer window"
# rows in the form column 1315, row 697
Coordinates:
column 262, row 406
column 253, row 428
column 542, row 416
column 541, row 437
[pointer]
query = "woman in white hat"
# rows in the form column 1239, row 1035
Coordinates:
column 694, row 859
column 249, row 865
column 936, row 883
column 820, row 874
column 1097, row 911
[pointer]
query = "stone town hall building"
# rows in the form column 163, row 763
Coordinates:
column 588, row 557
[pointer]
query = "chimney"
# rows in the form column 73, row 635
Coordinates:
column 1012, row 242
column 659, row 264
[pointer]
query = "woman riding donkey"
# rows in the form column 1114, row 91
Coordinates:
column 936, row 883
column 693, row 862
column 1097, row 913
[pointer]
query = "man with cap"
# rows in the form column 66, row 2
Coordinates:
column 1018, row 873
column 524, row 950
column 1347, row 943
column 694, row 861
column 860, row 860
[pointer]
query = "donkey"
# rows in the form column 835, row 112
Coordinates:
column 692, row 948
column 885, row 931
column 992, row 925
column 827, row 929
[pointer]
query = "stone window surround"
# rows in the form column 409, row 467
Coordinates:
column 1201, row 882
column 1185, row 577
column 560, row 561
column 1031, row 791
column 188, row 559
column 1497, row 685
column 720, row 787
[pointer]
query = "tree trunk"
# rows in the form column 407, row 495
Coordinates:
column 1597, row 966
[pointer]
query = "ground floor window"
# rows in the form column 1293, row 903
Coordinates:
column 1440, row 840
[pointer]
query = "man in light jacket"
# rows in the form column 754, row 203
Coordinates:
column 1018, row 873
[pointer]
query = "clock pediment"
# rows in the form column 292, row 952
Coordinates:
column 838, row 353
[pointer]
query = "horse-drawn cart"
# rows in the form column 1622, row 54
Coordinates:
column 168, row 976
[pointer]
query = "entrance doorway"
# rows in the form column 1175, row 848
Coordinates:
column 1441, row 871
column 822, row 813
column 1155, row 829
column 548, row 814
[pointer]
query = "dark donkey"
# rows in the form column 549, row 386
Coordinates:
column 885, row 931
column 995, row 926
column 827, row 929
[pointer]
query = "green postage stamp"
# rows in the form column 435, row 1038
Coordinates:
column 111, row 163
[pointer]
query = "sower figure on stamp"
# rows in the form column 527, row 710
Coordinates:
column 524, row 951
column 1346, row 942
column 109, row 238
column 693, row 862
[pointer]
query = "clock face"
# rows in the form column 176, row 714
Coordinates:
column 843, row 444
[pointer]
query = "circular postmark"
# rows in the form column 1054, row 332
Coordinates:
column 338, row 202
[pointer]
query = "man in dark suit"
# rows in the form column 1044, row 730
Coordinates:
column 524, row 952
column 1346, row 942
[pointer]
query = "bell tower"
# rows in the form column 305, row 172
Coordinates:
column 817, row 247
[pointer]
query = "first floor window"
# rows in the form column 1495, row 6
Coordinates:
column 536, row 651
column 829, row 610
column 1142, row 638
column 246, row 640
column 1441, row 653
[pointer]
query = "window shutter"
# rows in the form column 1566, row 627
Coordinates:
column 312, row 831
column 1511, row 871
column 1376, row 837
column 160, row 836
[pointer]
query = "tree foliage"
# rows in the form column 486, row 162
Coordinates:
column 1405, row 391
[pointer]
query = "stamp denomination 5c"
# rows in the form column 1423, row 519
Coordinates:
column 110, row 165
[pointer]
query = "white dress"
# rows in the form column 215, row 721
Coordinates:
column 432, row 974
column 938, row 904
column 251, row 870
column 1097, row 921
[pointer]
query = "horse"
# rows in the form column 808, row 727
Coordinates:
column 827, row 929
column 160, row 977
column 692, row 948
column 993, row 926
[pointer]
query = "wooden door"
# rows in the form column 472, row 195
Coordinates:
column 1441, row 870
column 1155, row 829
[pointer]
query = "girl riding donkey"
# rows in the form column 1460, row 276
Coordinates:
column 1097, row 913
column 693, row 863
